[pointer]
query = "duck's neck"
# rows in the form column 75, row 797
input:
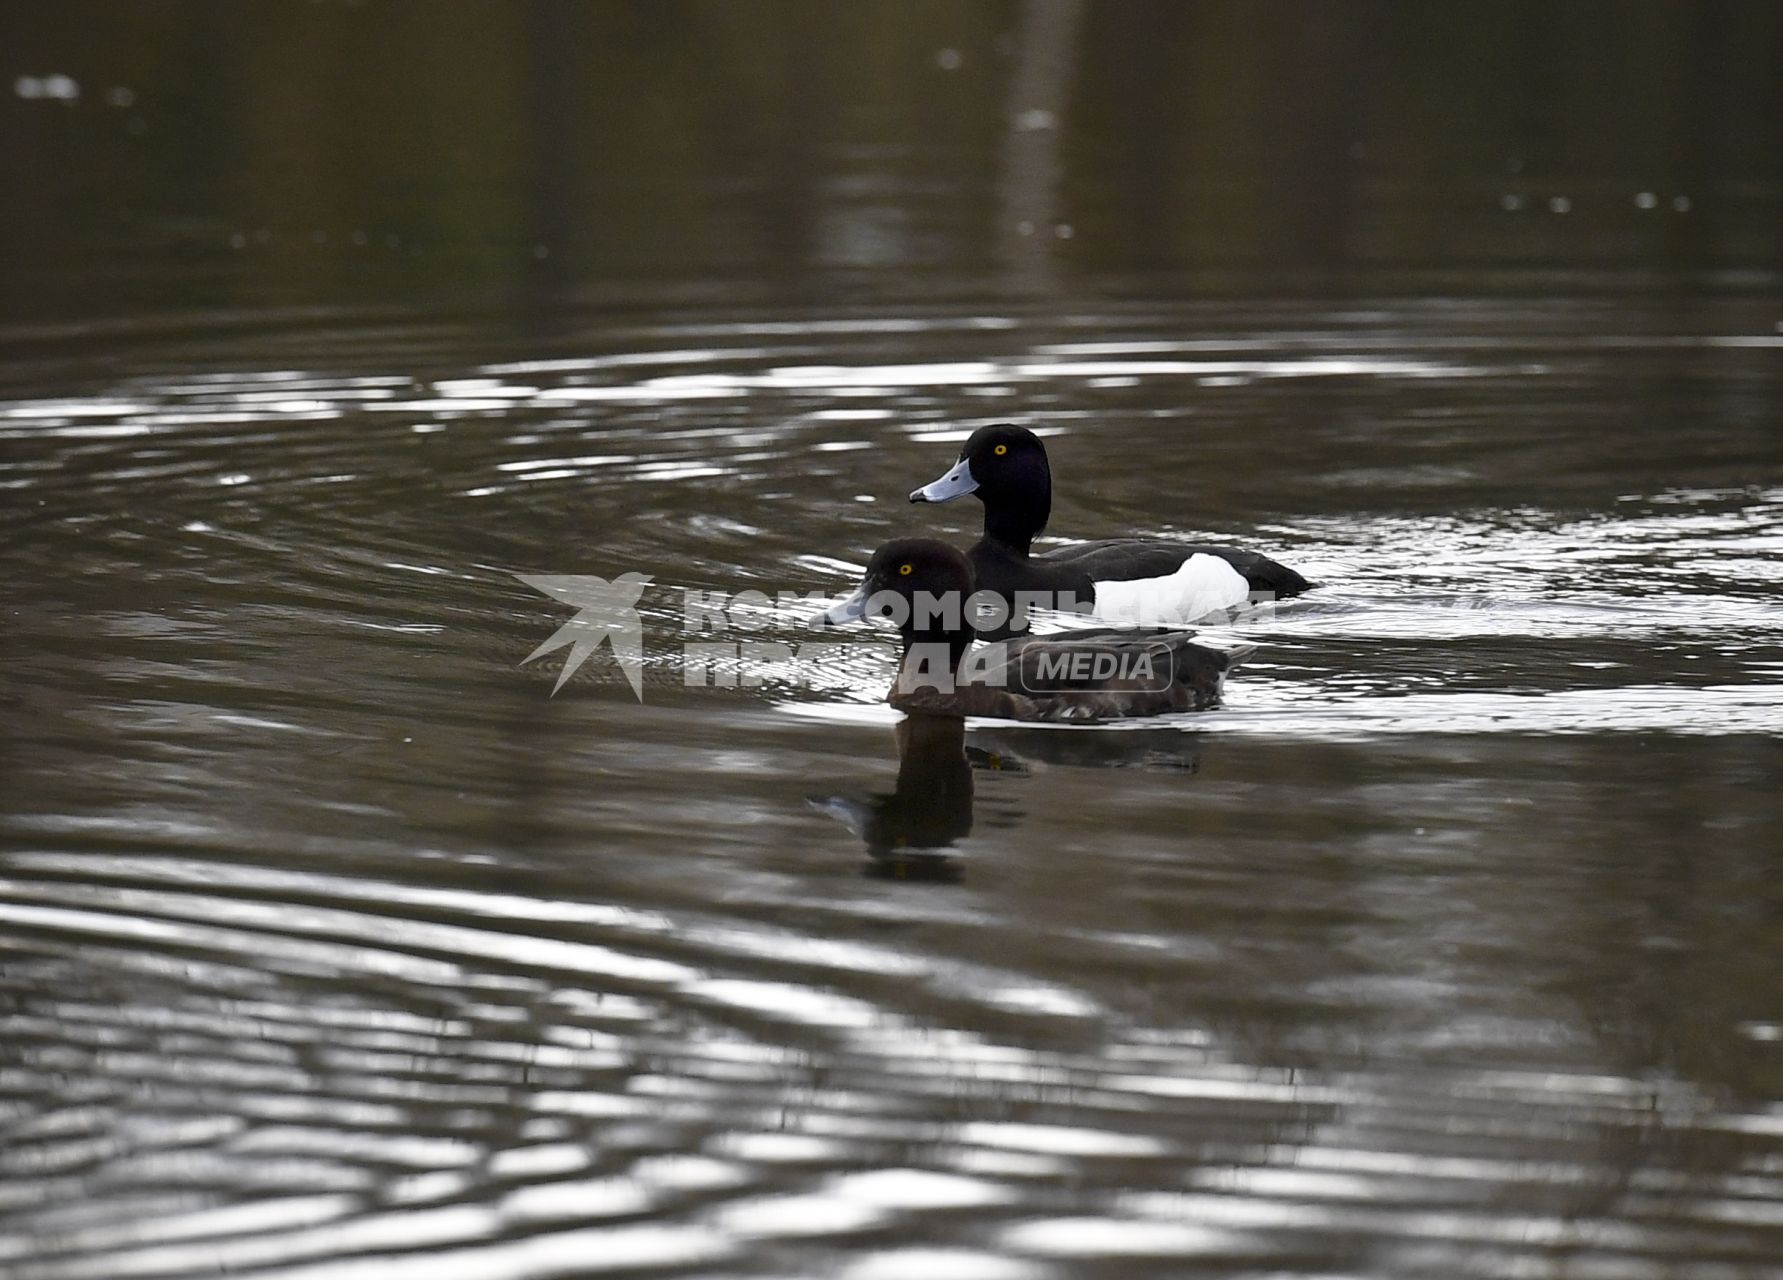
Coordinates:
column 928, row 649
column 1015, row 520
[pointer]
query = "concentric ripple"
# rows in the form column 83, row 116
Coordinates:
column 334, row 944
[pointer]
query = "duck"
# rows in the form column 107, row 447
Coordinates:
column 1095, row 674
column 1147, row 580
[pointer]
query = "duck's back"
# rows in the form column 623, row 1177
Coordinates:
column 1123, row 559
column 1077, row 568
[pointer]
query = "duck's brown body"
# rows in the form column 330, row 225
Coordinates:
column 1033, row 678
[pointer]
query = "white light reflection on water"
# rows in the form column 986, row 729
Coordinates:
column 1691, row 710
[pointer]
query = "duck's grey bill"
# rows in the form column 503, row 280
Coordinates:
column 957, row 483
column 849, row 610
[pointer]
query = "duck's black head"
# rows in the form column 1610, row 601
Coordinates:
column 920, row 584
column 1005, row 465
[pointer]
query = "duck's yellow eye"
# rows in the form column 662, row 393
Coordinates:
column 904, row 569
column 1000, row 450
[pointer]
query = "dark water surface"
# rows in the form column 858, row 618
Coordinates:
column 1451, row 945
column 332, row 944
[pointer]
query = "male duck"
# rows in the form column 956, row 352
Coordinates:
column 1131, row 579
column 1095, row 674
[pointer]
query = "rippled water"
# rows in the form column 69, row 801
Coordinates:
column 332, row 944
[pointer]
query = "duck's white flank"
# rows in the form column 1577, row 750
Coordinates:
column 1201, row 585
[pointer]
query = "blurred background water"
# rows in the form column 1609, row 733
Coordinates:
column 332, row 944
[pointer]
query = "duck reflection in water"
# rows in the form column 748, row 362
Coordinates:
column 927, row 810
column 909, row 832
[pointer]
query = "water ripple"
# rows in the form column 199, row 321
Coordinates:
column 334, row 945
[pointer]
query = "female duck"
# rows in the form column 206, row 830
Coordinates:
column 1133, row 579
column 1097, row 674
